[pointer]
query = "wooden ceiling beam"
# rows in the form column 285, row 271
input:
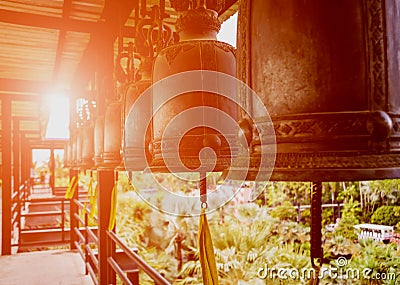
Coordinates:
column 228, row 4
column 46, row 144
column 41, row 21
column 114, row 15
column 24, row 118
column 61, row 39
column 20, row 97
column 19, row 85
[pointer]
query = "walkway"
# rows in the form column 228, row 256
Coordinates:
column 43, row 267
column 51, row 267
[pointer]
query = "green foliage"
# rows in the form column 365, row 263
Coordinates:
column 327, row 216
column 386, row 215
column 397, row 228
column 61, row 173
column 246, row 237
column 284, row 212
column 277, row 192
column 375, row 194
column 350, row 217
column 386, row 191
column 247, row 240
column 379, row 259
column 306, row 217
column 336, row 246
column 349, row 192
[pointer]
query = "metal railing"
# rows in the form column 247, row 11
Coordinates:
column 52, row 232
column 139, row 263
column 87, row 241
column 18, row 199
column 124, row 262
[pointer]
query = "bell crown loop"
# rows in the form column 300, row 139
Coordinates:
column 199, row 19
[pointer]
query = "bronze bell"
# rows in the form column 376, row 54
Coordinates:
column 112, row 135
column 74, row 161
column 328, row 73
column 137, row 134
column 197, row 49
column 87, row 156
column 79, row 144
column 98, row 141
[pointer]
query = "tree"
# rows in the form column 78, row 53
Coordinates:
column 386, row 215
column 284, row 212
column 350, row 217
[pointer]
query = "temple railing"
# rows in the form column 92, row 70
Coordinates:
column 122, row 261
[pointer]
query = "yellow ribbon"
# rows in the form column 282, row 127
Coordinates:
column 113, row 210
column 93, row 202
column 206, row 252
column 88, row 195
column 71, row 188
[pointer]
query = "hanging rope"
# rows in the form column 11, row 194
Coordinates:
column 206, row 248
column 71, row 188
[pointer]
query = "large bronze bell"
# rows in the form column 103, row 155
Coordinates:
column 328, row 73
column 112, row 135
column 197, row 49
column 98, row 141
column 137, row 134
column 79, row 144
column 87, row 156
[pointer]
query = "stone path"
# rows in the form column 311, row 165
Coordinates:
column 43, row 268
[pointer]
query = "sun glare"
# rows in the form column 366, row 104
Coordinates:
column 57, row 127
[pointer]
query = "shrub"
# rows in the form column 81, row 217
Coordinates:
column 350, row 217
column 386, row 215
column 284, row 212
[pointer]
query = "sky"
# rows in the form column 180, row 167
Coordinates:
column 59, row 106
column 228, row 31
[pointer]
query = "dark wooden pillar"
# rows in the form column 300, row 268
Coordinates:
column 16, row 155
column 28, row 160
column 31, row 171
column 6, row 176
column 73, row 208
column 52, row 171
column 316, row 222
column 106, row 184
column 23, row 159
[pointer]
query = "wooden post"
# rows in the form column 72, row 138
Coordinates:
column 16, row 155
column 6, row 176
column 52, row 171
column 73, row 208
column 105, row 183
column 24, row 163
column 316, row 220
